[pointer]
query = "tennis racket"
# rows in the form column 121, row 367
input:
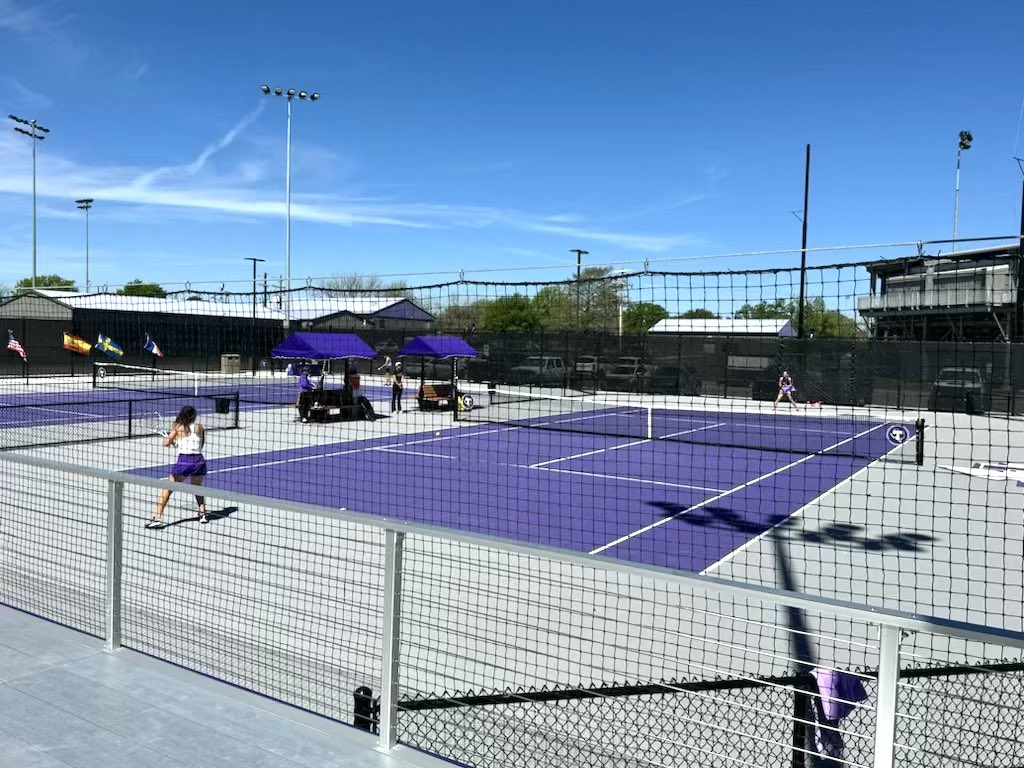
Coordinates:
column 156, row 424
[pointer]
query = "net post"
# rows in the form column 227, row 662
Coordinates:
column 131, row 419
column 919, row 442
column 237, row 397
column 885, row 708
column 390, row 639
column 95, row 368
column 112, row 593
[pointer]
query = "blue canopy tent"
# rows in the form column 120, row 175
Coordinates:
column 323, row 346
column 439, row 348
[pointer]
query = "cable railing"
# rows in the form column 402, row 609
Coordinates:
column 489, row 652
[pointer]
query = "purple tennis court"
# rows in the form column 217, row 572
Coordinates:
column 639, row 484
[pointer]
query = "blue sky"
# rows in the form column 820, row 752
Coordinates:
column 469, row 135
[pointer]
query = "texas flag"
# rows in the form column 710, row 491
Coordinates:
column 151, row 347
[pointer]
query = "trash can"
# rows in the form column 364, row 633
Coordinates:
column 230, row 363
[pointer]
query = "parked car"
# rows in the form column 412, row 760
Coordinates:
column 675, row 380
column 427, row 368
column 539, row 369
column 960, row 389
column 628, row 377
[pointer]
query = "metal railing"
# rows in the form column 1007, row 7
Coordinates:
column 494, row 652
column 937, row 297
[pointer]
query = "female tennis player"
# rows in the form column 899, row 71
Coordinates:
column 786, row 389
column 189, row 437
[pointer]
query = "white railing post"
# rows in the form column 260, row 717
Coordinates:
column 115, row 508
column 390, row 639
column 885, row 707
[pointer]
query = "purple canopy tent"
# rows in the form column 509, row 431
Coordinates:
column 439, row 348
column 324, row 346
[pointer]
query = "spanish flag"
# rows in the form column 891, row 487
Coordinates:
column 75, row 344
column 110, row 347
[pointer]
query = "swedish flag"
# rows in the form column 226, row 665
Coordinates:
column 110, row 347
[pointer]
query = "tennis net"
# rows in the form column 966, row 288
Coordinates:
column 40, row 420
column 832, row 434
column 262, row 388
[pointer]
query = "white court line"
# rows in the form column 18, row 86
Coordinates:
column 412, row 453
column 349, row 451
column 542, row 464
column 62, row 411
column 625, row 479
column 664, row 520
column 691, row 431
column 801, row 510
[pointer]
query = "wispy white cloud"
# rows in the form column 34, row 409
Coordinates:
column 22, row 98
column 197, row 165
column 197, row 190
column 22, row 18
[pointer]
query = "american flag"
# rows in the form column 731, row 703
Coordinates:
column 15, row 346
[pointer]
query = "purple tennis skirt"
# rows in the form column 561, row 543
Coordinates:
column 788, row 388
column 189, row 465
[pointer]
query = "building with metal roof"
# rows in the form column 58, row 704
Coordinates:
column 725, row 327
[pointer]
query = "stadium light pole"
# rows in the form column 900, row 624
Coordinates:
column 965, row 143
column 35, row 133
column 290, row 94
column 85, row 205
column 254, row 261
column 580, row 253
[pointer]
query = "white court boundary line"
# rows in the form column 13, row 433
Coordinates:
column 664, row 520
column 797, row 512
column 622, row 478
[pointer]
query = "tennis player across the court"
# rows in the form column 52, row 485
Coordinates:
column 786, row 389
column 189, row 437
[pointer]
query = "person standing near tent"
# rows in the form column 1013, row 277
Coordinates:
column 305, row 399
column 396, row 389
column 387, row 368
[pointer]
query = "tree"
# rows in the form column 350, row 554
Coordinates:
column 555, row 308
column 699, row 313
column 462, row 318
column 139, row 288
column 825, row 322
column 515, row 314
column 640, row 317
column 779, row 309
column 355, row 285
column 48, row 281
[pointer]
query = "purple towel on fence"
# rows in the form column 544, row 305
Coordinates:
column 839, row 692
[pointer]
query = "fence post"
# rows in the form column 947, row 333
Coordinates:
column 885, row 708
column 115, row 507
column 390, row 630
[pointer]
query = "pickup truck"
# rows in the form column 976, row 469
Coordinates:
column 539, row 369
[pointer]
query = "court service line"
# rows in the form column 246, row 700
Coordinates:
column 349, row 451
column 412, row 453
column 798, row 512
column 664, row 520
column 542, row 464
column 623, row 478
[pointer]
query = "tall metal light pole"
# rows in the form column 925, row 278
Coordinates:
column 35, row 134
column 254, row 261
column 290, row 94
column 965, row 143
column 86, row 204
column 580, row 253
column 803, row 247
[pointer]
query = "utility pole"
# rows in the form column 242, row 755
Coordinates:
column 35, row 133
